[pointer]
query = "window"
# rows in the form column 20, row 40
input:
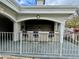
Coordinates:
column 61, row 2
column 27, row 2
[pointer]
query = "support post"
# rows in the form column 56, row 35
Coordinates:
column 55, row 27
column 62, row 27
column 55, row 30
column 21, row 37
column 17, row 27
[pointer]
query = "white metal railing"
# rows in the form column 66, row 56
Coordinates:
column 71, row 44
column 30, row 43
column 38, row 43
column 7, row 44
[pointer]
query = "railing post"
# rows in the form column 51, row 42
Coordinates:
column 17, row 27
column 20, row 42
column 62, row 26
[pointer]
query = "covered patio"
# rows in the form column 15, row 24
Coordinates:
column 31, row 37
column 37, row 38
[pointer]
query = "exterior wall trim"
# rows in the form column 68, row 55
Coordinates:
column 8, row 16
column 44, row 18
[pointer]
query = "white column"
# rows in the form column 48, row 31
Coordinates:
column 56, row 31
column 62, row 27
column 55, row 27
column 17, row 27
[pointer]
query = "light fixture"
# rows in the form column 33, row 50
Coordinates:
column 38, row 16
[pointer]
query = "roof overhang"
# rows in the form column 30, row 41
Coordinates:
column 40, row 9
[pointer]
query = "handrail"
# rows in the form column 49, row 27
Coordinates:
column 43, row 44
